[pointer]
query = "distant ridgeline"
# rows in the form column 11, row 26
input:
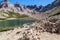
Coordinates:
column 41, row 8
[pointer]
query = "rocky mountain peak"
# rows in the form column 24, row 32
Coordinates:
column 19, row 7
column 54, row 4
column 13, row 7
column 5, row 0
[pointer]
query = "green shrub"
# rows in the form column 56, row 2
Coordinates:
column 22, row 16
column 2, row 18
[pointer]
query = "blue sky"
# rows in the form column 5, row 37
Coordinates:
column 32, row 2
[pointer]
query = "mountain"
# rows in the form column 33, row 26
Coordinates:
column 5, row 5
column 54, row 4
column 13, row 7
column 22, row 8
column 43, row 11
column 41, row 8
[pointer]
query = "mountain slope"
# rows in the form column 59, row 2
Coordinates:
column 16, row 9
column 7, row 6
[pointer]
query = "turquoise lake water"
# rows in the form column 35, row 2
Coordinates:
column 11, row 23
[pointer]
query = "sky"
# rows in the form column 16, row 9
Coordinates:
column 32, row 2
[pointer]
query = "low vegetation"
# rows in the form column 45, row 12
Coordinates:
column 6, row 29
column 16, row 15
column 13, row 15
column 55, row 14
column 2, row 18
column 2, row 29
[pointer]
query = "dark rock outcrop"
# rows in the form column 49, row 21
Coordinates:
column 17, row 5
column 4, row 4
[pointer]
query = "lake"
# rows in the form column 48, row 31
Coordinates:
column 11, row 23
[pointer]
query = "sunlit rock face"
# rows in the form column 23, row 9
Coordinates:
column 6, row 5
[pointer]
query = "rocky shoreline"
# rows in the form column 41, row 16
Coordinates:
column 43, row 30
